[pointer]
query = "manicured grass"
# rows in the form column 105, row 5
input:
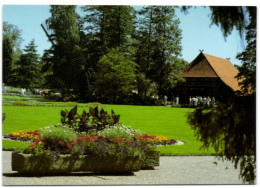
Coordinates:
column 35, row 100
column 160, row 120
column 11, row 145
column 29, row 100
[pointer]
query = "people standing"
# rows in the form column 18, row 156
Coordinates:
column 208, row 101
column 196, row 101
column 165, row 100
column 199, row 101
column 193, row 101
column 213, row 102
column 45, row 92
column 177, row 100
column 22, row 91
column 204, row 101
column 173, row 101
column 190, row 101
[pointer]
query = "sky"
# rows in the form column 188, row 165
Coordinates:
column 196, row 31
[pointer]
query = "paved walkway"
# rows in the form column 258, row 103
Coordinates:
column 181, row 170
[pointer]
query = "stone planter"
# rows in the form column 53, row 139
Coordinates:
column 44, row 164
column 151, row 159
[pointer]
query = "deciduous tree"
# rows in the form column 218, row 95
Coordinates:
column 116, row 76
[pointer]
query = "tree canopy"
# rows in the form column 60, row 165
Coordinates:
column 84, row 46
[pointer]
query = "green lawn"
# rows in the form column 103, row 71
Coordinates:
column 160, row 120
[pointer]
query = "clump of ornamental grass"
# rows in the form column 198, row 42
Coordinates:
column 117, row 132
column 51, row 136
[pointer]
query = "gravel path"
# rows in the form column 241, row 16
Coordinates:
column 181, row 170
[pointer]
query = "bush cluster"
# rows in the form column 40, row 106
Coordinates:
column 19, row 103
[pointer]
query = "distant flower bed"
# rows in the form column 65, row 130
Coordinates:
column 22, row 135
column 155, row 139
column 26, row 135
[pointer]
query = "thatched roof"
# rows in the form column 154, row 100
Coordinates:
column 205, row 65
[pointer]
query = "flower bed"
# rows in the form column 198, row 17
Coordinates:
column 31, row 135
column 22, row 135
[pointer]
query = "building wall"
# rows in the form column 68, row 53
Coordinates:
column 203, row 86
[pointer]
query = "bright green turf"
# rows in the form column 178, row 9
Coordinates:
column 160, row 120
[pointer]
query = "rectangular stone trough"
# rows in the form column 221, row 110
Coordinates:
column 151, row 159
column 45, row 164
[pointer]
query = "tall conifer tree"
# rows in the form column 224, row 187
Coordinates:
column 160, row 45
column 27, row 72
column 66, row 59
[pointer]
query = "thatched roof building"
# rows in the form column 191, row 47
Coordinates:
column 208, row 75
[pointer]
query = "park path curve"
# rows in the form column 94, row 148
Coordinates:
column 173, row 170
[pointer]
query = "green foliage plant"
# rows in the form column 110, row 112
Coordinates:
column 86, row 122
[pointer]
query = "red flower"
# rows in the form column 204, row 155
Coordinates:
column 113, row 139
column 37, row 140
column 81, row 138
column 61, row 142
column 74, row 143
column 127, row 141
column 69, row 146
column 32, row 145
column 120, row 140
column 105, row 143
